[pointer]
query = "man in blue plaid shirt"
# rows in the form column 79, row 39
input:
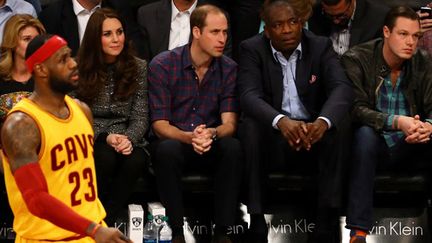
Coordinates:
column 393, row 110
column 193, row 110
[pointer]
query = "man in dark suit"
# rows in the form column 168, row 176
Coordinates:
column 59, row 18
column 294, row 95
column 347, row 22
column 156, row 23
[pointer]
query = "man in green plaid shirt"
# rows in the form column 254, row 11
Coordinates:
column 392, row 110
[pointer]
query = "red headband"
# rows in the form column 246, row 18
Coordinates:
column 45, row 51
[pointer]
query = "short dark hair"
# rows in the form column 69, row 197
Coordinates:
column 270, row 6
column 399, row 11
column 36, row 43
column 199, row 15
column 301, row 8
column 334, row 2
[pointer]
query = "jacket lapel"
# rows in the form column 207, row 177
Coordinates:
column 303, row 71
column 276, row 77
column 356, row 26
column 70, row 22
column 303, row 74
column 163, row 16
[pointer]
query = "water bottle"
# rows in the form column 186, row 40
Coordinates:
column 150, row 233
column 165, row 233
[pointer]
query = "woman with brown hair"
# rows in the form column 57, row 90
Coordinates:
column 113, row 83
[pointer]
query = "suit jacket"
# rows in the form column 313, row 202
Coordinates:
column 321, row 83
column 59, row 18
column 154, row 21
column 367, row 23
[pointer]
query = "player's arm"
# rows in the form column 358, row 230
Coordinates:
column 21, row 141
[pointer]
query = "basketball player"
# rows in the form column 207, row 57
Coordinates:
column 48, row 161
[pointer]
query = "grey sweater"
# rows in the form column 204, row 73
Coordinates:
column 129, row 117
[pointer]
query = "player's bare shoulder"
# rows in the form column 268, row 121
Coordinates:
column 21, row 139
column 86, row 109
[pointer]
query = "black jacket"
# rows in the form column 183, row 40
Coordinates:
column 154, row 21
column 365, row 66
column 367, row 23
column 321, row 83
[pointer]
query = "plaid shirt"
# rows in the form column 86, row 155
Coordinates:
column 393, row 102
column 176, row 95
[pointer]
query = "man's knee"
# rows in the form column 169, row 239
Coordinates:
column 166, row 151
column 230, row 145
column 366, row 139
column 232, row 153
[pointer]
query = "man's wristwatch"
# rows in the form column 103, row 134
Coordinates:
column 214, row 137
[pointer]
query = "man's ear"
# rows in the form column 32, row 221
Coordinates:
column 386, row 31
column 196, row 32
column 266, row 31
column 40, row 70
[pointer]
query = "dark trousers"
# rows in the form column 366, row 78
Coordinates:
column 224, row 161
column 117, row 175
column 371, row 153
column 266, row 150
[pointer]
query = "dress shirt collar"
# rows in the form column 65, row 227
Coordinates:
column 9, row 4
column 78, row 8
column 175, row 11
column 276, row 53
column 187, row 58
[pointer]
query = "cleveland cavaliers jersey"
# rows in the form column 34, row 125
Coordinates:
column 66, row 159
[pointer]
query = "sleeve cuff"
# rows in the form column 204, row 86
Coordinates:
column 389, row 122
column 102, row 137
column 329, row 124
column 276, row 120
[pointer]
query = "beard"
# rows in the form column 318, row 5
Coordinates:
column 62, row 86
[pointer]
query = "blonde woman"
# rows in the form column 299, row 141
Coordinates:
column 15, row 79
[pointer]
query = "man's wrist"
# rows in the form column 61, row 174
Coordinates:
column 396, row 122
column 214, row 134
column 326, row 120
column 276, row 121
column 92, row 229
column 323, row 123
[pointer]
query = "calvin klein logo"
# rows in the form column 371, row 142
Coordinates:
column 136, row 221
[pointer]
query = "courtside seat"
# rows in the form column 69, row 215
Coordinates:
column 385, row 182
column 192, row 182
column 401, row 182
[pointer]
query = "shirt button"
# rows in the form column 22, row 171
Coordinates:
column 193, row 108
column 192, row 124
